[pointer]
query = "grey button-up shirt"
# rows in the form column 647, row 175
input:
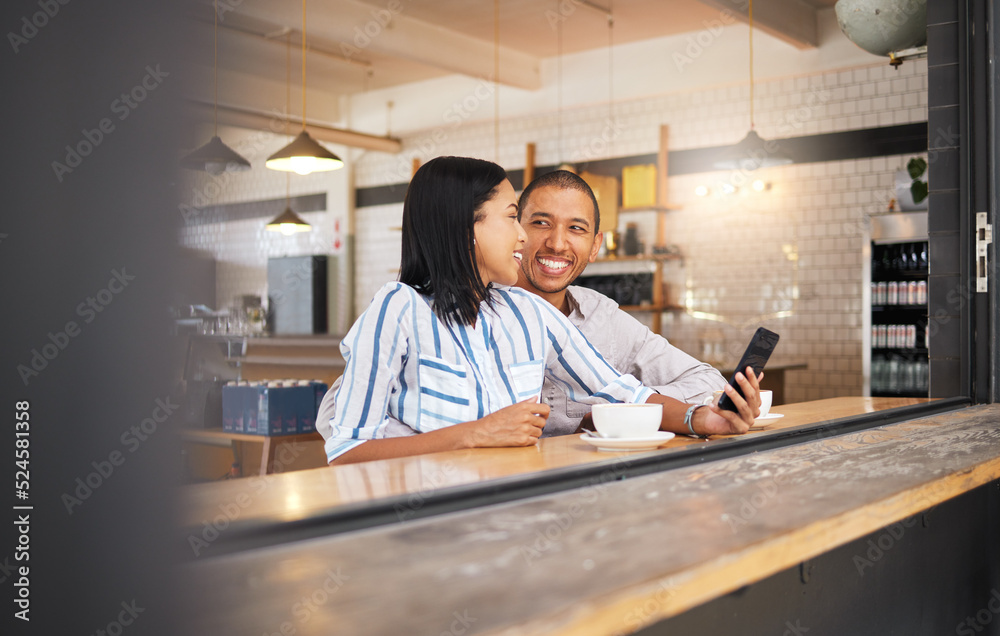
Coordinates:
column 631, row 348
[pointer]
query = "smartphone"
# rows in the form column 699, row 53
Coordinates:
column 756, row 356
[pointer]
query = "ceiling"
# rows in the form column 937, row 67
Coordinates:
column 360, row 45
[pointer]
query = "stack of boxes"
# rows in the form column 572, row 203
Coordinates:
column 285, row 407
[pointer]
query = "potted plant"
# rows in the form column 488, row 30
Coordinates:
column 911, row 185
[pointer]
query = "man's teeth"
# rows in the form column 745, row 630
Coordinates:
column 553, row 264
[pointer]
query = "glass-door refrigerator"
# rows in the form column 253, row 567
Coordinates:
column 897, row 307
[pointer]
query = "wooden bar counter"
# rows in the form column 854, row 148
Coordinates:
column 304, row 494
column 613, row 557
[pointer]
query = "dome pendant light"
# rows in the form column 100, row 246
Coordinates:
column 752, row 152
column 304, row 155
column 215, row 157
column 288, row 222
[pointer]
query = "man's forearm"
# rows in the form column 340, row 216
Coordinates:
column 673, row 413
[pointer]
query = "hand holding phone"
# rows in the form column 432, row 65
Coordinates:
column 756, row 356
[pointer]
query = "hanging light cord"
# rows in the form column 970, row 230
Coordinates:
column 303, row 64
column 215, row 72
column 559, row 87
column 288, row 106
column 611, row 77
column 750, row 14
column 496, row 80
column 288, row 79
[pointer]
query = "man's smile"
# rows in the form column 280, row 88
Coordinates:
column 557, row 265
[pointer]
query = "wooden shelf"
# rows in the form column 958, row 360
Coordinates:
column 652, row 308
column 640, row 257
column 658, row 306
column 650, row 208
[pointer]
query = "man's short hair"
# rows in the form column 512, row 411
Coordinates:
column 565, row 180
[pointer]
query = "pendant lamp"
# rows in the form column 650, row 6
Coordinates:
column 752, row 152
column 215, row 157
column 304, row 155
column 288, row 222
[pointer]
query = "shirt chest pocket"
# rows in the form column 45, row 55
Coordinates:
column 527, row 378
column 444, row 393
column 576, row 410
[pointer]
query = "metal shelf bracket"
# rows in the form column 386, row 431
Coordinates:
column 984, row 236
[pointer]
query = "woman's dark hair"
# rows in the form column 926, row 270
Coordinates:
column 440, row 212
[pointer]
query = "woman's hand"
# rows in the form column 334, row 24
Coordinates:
column 519, row 424
column 713, row 420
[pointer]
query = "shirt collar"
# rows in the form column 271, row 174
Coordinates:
column 575, row 309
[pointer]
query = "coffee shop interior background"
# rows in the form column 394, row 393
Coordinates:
column 790, row 256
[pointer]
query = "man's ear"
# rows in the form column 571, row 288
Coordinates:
column 598, row 242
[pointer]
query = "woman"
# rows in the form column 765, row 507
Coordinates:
column 451, row 353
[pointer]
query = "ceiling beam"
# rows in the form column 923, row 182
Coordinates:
column 274, row 122
column 355, row 29
column 792, row 21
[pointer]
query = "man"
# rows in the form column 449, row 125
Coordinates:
column 559, row 213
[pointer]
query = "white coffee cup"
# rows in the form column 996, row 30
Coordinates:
column 765, row 402
column 627, row 420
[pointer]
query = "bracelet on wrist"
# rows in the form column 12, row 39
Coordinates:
column 688, row 421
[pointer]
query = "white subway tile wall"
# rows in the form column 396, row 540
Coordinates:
column 789, row 258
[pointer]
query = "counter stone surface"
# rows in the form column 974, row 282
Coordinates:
column 604, row 559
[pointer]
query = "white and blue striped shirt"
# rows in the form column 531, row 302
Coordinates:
column 405, row 364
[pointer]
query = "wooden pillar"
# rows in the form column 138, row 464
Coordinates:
column 529, row 164
column 662, row 185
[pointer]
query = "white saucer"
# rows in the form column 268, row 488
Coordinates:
column 628, row 443
column 766, row 420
